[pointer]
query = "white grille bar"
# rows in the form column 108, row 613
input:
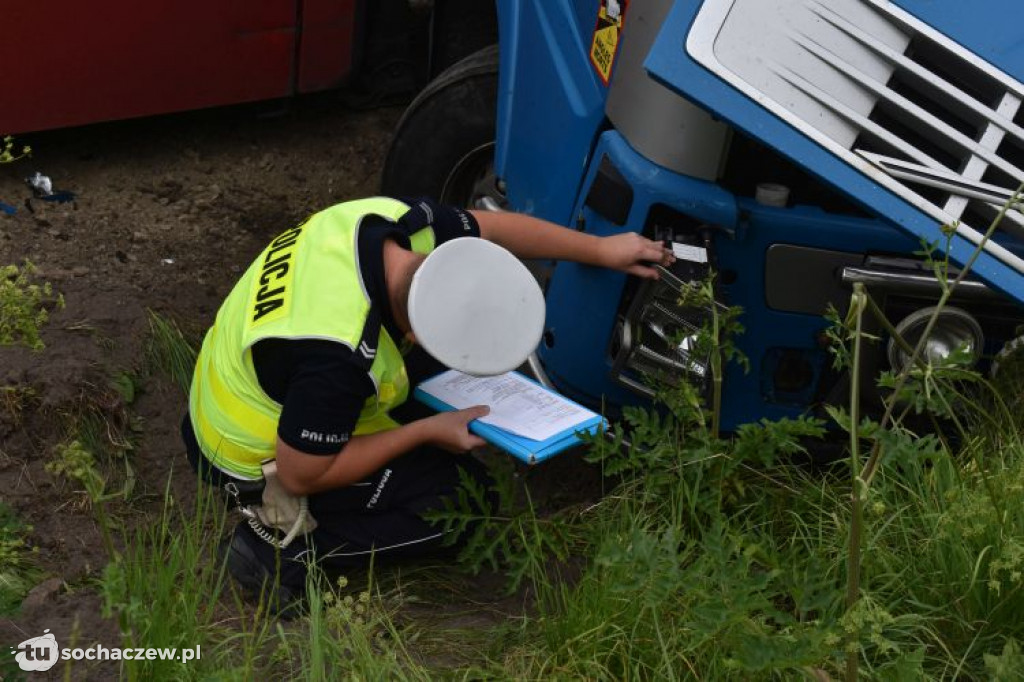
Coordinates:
column 953, row 138
column 990, row 139
column 997, row 118
column 849, row 114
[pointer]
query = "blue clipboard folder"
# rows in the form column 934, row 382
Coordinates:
column 528, row 450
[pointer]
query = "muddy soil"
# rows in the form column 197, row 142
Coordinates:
column 167, row 213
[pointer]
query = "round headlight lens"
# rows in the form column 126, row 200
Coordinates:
column 954, row 329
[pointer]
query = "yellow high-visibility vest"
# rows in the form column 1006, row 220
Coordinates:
column 305, row 285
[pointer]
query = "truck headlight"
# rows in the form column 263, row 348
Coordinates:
column 660, row 339
column 955, row 329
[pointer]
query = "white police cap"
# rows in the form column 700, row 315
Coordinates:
column 475, row 307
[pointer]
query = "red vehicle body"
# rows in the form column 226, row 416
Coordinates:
column 66, row 62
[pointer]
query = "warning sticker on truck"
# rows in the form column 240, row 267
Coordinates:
column 605, row 46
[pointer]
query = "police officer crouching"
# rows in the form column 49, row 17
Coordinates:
column 298, row 405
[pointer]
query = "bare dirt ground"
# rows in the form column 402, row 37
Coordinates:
column 168, row 212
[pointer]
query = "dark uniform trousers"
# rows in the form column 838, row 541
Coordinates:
column 379, row 520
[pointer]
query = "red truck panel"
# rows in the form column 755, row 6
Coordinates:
column 328, row 34
column 68, row 62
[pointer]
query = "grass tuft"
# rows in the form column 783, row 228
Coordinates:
column 169, row 351
column 18, row 572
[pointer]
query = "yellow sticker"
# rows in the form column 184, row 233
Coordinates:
column 605, row 46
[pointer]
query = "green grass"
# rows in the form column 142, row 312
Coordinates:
column 711, row 559
column 18, row 573
column 166, row 588
column 752, row 586
column 169, row 351
column 711, row 556
column 348, row 636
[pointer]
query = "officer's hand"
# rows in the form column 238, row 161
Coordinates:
column 634, row 254
column 450, row 430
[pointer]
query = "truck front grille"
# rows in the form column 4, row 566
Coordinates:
column 913, row 110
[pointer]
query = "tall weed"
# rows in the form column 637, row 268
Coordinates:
column 25, row 306
column 347, row 636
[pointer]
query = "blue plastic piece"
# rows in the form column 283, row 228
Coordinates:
column 7, row 209
column 62, row 197
column 550, row 104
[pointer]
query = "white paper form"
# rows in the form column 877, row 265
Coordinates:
column 517, row 404
column 694, row 254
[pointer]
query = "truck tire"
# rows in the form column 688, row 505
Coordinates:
column 443, row 146
column 460, row 28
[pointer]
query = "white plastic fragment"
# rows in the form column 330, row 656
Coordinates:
column 40, row 183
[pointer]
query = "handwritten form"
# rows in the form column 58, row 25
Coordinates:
column 517, row 404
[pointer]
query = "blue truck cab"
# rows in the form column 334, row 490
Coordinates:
column 792, row 147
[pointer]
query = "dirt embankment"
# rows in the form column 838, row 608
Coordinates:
column 167, row 213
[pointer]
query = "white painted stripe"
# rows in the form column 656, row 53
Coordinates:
column 430, row 214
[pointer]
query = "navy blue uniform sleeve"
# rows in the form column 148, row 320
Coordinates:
column 324, row 397
column 447, row 222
